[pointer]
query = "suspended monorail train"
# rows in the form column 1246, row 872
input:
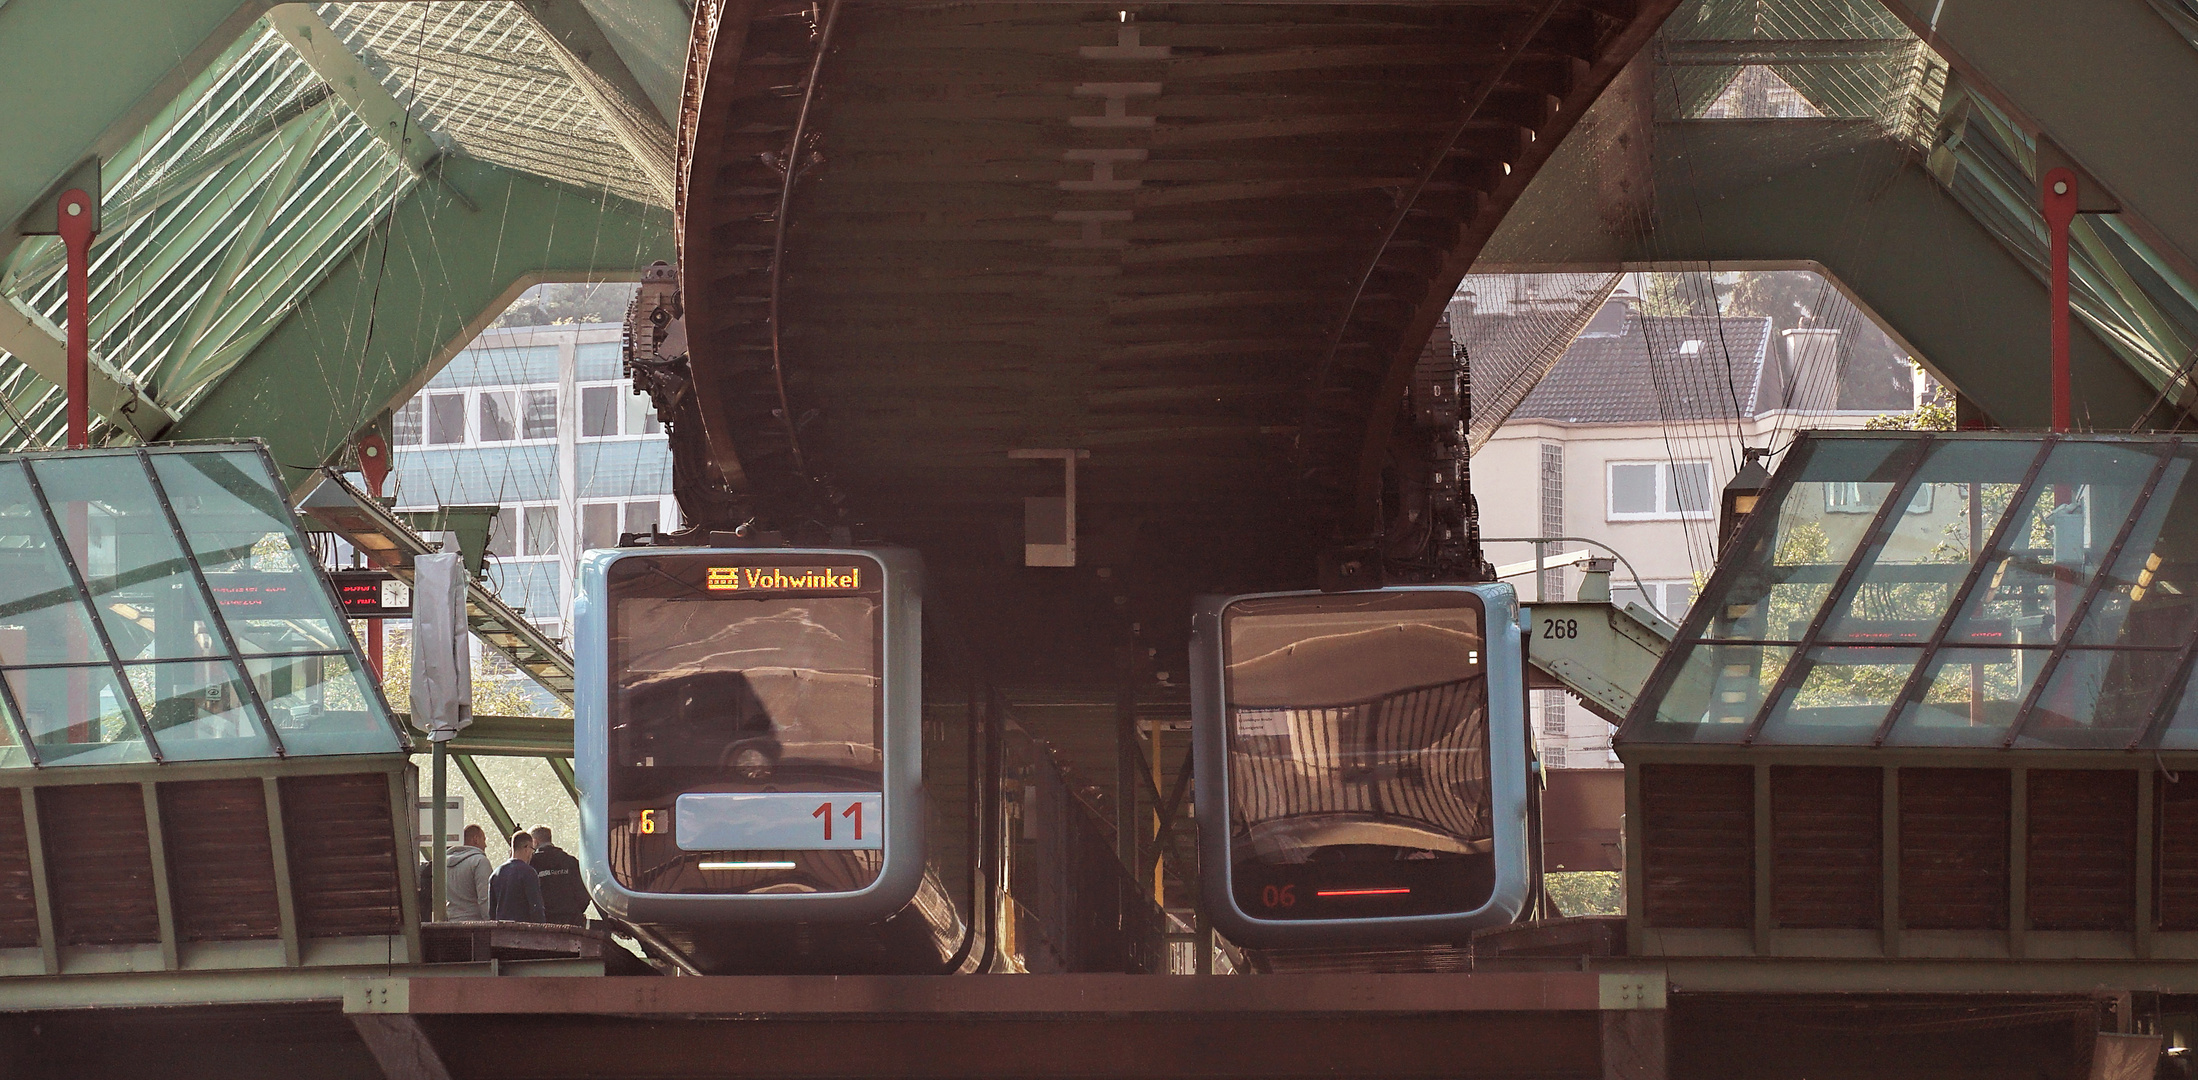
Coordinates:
column 1363, row 765
column 762, row 792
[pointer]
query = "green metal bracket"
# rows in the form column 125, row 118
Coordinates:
column 1600, row 652
column 514, row 736
column 471, row 523
column 562, row 766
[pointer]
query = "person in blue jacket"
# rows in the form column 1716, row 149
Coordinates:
column 515, row 893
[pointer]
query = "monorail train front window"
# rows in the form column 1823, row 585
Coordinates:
column 740, row 695
column 1358, row 755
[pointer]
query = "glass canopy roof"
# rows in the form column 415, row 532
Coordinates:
column 159, row 604
column 1971, row 590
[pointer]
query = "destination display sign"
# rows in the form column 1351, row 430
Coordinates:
column 371, row 593
column 783, row 579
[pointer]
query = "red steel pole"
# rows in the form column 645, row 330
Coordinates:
column 2058, row 194
column 75, row 214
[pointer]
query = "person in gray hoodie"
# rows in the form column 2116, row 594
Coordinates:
column 466, row 875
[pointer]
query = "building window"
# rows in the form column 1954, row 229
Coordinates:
column 405, row 424
column 1659, row 490
column 539, row 420
column 446, row 419
column 1849, row 498
column 510, row 415
column 503, row 533
column 1551, row 585
column 601, row 524
column 598, row 525
column 498, row 412
column 1553, row 728
column 598, row 411
column 541, row 529
column 641, row 416
column 612, row 410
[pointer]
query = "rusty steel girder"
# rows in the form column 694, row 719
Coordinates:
column 1207, row 242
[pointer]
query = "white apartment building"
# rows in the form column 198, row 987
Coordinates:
column 1628, row 442
column 541, row 422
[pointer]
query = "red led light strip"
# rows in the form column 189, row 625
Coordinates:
column 1362, row 892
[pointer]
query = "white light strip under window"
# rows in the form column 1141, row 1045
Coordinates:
column 756, row 865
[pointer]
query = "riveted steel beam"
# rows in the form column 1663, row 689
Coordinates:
column 356, row 85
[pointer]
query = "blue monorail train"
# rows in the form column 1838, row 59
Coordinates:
column 1362, row 765
column 761, row 790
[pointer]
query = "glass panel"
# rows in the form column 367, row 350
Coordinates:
column 641, row 517
column 1903, row 589
column 2182, row 728
column 42, row 620
column 541, row 416
column 641, row 416
column 1690, row 488
column 1716, row 693
column 446, row 419
column 406, row 424
column 103, row 732
column 322, row 705
column 1969, row 697
column 541, row 522
column 503, row 533
column 130, row 556
column 2098, row 698
column 199, row 710
column 598, row 410
column 598, row 525
column 237, row 525
column 11, row 748
column 2054, row 543
column 1633, row 489
column 2149, row 596
column 499, row 415
column 1776, row 588
column 1843, row 697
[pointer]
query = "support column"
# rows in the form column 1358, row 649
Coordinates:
column 400, row 1047
column 75, row 218
column 2059, row 196
column 568, row 476
column 1634, row 1044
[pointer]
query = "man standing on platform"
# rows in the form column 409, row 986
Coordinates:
column 515, row 893
column 467, row 878
column 563, row 895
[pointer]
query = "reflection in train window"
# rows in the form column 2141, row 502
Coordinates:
column 1358, row 764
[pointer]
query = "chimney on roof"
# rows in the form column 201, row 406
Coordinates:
column 1811, row 369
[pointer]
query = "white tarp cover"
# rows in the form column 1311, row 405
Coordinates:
column 442, row 666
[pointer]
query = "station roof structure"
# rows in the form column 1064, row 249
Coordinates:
column 1897, row 147
column 163, row 607
column 305, row 207
column 1956, row 590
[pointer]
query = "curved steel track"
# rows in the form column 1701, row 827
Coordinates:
column 1205, row 242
